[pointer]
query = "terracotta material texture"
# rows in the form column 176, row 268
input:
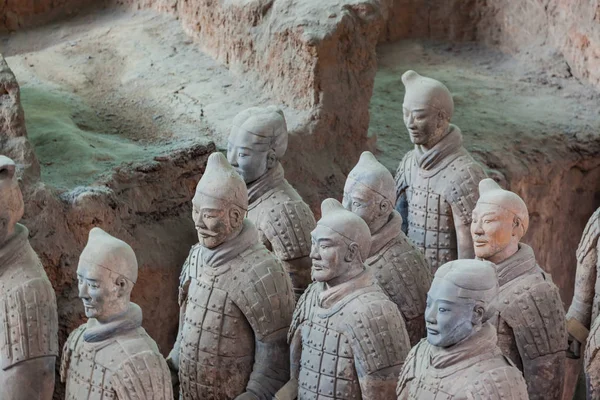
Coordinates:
column 347, row 338
column 584, row 307
column 256, row 144
column 460, row 358
column 111, row 356
column 236, row 299
column 28, row 315
column 399, row 267
column 531, row 325
column 436, row 183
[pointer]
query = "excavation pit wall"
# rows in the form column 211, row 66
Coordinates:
column 320, row 60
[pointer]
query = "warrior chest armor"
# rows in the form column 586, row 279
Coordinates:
column 28, row 314
column 284, row 222
column 228, row 308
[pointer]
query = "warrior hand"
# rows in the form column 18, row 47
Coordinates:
column 574, row 350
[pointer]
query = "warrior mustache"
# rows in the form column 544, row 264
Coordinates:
column 206, row 232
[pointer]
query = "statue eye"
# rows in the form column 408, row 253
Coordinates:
column 442, row 309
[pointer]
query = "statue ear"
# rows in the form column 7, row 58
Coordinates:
column 517, row 227
column 271, row 159
column 122, row 284
column 478, row 313
column 236, row 217
column 385, row 206
column 352, row 252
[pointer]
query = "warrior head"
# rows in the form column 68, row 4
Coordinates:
column 500, row 219
column 11, row 199
column 258, row 140
column 370, row 192
column 428, row 108
column 106, row 273
column 340, row 244
column 220, row 203
column 460, row 300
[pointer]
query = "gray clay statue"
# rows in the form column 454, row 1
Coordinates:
column 436, row 182
column 531, row 326
column 460, row 358
column 111, row 356
column 583, row 322
column 236, row 299
column 399, row 267
column 348, row 339
column 257, row 142
column 28, row 314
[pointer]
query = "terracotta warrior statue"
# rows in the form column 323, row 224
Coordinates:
column 399, row 267
column 257, row 142
column 583, row 323
column 460, row 358
column 28, row 315
column 236, row 299
column 348, row 339
column 531, row 326
column 436, row 183
column 111, row 356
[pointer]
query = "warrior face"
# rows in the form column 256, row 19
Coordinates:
column 251, row 163
column 448, row 318
column 105, row 294
column 426, row 125
column 334, row 260
column 217, row 221
column 11, row 200
column 365, row 203
column 495, row 232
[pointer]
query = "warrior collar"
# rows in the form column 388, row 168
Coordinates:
column 442, row 154
column 469, row 351
column 270, row 180
column 130, row 319
column 386, row 234
column 516, row 265
column 14, row 247
column 332, row 296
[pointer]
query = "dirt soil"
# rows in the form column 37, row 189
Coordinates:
column 117, row 87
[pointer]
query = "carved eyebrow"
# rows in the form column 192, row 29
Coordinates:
column 324, row 240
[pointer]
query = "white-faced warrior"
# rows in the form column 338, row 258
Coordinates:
column 348, row 339
column 111, row 356
column 28, row 314
column 256, row 144
column 399, row 267
column 436, row 182
column 460, row 358
column 236, row 299
column 531, row 326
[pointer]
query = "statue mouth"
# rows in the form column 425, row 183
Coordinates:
column 432, row 331
column 206, row 233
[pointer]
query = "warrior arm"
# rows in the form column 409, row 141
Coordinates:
column 407, row 374
column 289, row 391
column 271, row 366
column 30, row 379
column 380, row 384
column 583, row 298
column 545, row 376
column 464, row 240
column 401, row 184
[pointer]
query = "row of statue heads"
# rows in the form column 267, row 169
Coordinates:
column 416, row 287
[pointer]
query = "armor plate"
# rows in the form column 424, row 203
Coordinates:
column 487, row 376
column 531, row 307
column 28, row 314
column 403, row 273
column 362, row 334
column 249, row 298
column 435, row 201
column 126, row 367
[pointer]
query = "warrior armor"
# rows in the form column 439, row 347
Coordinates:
column 403, row 273
column 284, row 223
column 124, row 366
column 351, row 350
column 433, row 197
column 235, row 320
column 531, row 324
column 472, row 369
column 28, row 316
